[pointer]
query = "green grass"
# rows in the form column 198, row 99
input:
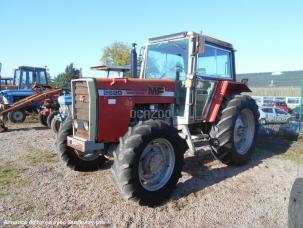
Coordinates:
column 294, row 154
column 36, row 156
column 9, row 173
column 279, row 148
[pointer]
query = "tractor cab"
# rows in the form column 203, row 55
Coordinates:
column 196, row 63
column 6, row 81
column 25, row 77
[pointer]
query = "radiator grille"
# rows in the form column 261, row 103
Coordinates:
column 81, row 107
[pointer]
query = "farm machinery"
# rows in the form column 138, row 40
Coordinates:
column 46, row 95
column 24, row 80
column 186, row 93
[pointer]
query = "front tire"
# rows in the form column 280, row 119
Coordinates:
column 234, row 134
column 55, row 125
column 70, row 156
column 148, row 162
column 50, row 118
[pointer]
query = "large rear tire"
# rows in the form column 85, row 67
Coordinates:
column 50, row 118
column 148, row 162
column 17, row 116
column 234, row 134
column 70, row 156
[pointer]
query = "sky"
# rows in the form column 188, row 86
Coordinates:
column 267, row 35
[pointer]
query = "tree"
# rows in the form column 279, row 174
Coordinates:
column 117, row 54
column 63, row 79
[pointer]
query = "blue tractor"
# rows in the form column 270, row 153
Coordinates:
column 25, row 78
column 56, row 118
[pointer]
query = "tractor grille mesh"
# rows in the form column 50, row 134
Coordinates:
column 81, row 107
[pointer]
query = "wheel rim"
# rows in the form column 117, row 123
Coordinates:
column 244, row 131
column 156, row 164
column 17, row 116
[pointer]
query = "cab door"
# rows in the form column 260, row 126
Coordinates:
column 203, row 93
column 213, row 64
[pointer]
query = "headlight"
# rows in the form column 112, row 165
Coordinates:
column 76, row 124
column 85, row 125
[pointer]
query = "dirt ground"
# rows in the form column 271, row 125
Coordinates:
column 35, row 185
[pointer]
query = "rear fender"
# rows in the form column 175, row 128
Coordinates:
column 224, row 88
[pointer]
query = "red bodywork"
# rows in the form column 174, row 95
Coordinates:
column 49, row 105
column 117, row 98
column 114, row 118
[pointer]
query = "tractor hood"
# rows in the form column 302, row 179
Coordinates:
column 8, row 95
column 125, row 87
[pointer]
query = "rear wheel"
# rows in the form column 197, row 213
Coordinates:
column 17, row 116
column 148, row 162
column 50, row 118
column 72, row 158
column 234, row 134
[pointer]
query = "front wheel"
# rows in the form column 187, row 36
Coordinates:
column 55, row 125
column 234, row 134
column 50, row 118
column 148, row 162
column 72, row 158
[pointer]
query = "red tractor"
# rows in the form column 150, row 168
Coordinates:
column 186, row 92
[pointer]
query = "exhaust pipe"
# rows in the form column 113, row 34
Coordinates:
column 134, row 63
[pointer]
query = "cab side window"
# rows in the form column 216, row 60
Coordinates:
column 214, row 62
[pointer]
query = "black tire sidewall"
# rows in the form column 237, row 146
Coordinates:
column 55, row 125
column 126, row 165
column 68, row 155
column 50, row 118
column 227, row 153
column 246, row 156
column 156, row 134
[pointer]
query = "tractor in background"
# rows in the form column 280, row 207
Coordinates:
column 186, row 93
column 56, row 118
column 24, row 80
column 5, row 83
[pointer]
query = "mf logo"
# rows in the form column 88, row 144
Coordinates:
column 156, row 90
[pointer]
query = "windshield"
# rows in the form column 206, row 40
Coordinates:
column 167, row 60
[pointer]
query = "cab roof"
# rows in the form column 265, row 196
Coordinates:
column 181, row 35
column 30, row 68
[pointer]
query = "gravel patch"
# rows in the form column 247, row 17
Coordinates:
column 208, row 194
